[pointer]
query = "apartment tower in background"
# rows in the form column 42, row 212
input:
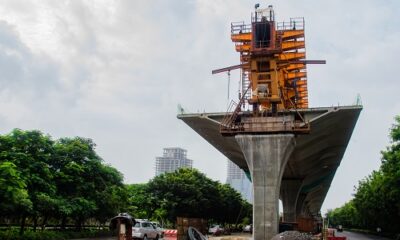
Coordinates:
column 172, row 159
column 238, row 180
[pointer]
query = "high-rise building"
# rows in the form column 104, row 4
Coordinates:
column 238, row 180
column 172, row 159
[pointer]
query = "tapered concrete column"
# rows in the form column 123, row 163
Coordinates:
column 289, row 194
column 266, row 157
column 299, row 205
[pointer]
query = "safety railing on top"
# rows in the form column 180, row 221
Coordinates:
column 293, row 24
column 240, row 27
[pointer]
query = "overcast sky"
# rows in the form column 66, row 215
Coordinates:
column 115, row 71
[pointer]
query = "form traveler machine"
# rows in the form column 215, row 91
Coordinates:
column 273, row 76
column 291, row 151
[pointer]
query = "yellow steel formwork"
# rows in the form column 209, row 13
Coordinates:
column 273, row 77
column 285, row 77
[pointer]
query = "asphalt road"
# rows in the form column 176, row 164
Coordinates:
column 113, row 238
column 358, row 236
column 105, row 238
column 349, row 235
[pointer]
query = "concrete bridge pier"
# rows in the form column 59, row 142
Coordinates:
column 300, row 205
column 266, row 157
column 290, row 189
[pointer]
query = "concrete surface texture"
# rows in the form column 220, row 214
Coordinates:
column 310, row 167
column 266, row 157
column 289, row 195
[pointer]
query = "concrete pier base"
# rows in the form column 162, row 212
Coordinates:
column 266, row 157
column 290, row 189
column 300, row 205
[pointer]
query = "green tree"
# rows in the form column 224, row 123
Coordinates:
column 87, row 187
column 42, row 179
column 230, row 205
column 13, row 193
column 140, row 200
column 111, row 196
column 346, row 215
column 185, row 193
column 370, row 200
column 189, row 193
column 376, row 202
column 390, row 188
column 30, row 151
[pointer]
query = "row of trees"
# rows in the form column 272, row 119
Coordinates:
column 62, row 182
column 376, row 202
column 188, row 193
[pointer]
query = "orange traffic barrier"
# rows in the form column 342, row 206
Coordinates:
column 170, row 232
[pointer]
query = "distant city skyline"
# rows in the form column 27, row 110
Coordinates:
column 173, row 158
column 238, row 180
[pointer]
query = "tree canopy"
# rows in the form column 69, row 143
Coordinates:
column 376, row 202
column 62, row 180
column 188, row 193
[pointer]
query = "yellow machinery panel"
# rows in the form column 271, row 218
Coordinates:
column 292, row 45
column 292, row 34
column 241, row 37
column 274, row 74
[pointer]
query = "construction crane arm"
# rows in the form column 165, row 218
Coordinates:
column 226, row 69
column 305, row 61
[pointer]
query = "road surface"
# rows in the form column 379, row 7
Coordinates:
column 358, row 236
column 349, row 235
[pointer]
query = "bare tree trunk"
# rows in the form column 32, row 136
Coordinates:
column 22, row 228
column 63, row 222
column 35, row 220
column 78, row 224
column 44, row 222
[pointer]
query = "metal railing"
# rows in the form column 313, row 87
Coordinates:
column 293, row 24
column 230, row 121
column 262, row 44
column 240, row 27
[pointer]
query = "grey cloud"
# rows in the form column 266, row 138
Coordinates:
column 114, row 72
column 22, row 72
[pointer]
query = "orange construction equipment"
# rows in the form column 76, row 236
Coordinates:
column 274, row 77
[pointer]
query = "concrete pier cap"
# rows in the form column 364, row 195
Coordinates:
column 296, row 168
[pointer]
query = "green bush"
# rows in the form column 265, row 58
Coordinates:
column 29, row 235
column 51, row 235
column 45, row 235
